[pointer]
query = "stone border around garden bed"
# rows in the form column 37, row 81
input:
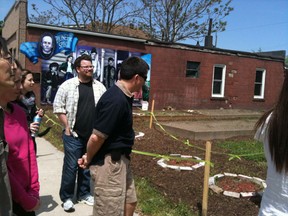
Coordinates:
column 216, row 189
column 162, row 163
column 139, row 135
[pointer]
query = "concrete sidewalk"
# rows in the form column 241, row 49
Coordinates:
column 224, row 123
column 50, row 162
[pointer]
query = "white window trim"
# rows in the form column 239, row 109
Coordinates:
column 261, row 96
column 223, row 80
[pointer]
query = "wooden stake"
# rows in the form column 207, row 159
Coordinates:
column 206, row 179
column 151, row 116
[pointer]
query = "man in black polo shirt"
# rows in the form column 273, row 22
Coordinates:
column 111, row 142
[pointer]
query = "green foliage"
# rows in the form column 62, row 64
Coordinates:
column 286, row 60
column 151, row 202
column 248, row 149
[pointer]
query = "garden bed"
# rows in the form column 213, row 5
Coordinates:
column 237, row 185
column 181, row 162
column 187, row 187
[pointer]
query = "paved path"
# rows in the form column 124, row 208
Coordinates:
column 224, row 124
column 50, row 162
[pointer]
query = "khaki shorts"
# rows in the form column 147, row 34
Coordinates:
column 113, row 186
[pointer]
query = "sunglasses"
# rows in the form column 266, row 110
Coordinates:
column 144, row 77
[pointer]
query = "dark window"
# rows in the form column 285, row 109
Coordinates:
column 259, row 83
column 217, row 82
column 192, row 69
column 36, row 77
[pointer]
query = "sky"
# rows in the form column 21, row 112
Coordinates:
column 254, row 25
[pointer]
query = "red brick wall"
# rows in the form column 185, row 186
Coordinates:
column 171, row 87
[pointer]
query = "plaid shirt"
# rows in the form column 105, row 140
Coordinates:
column 67, row 97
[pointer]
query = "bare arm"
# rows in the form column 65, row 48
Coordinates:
column 63, row 119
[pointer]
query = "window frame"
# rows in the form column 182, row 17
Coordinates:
column 197, row 70
column 223, row 79
column 262, row 90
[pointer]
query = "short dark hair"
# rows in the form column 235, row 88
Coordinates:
column 69, row 56
column 132, row 66
column 78, row 60
column 93, row 50
column 54, row 64
column 110, row 59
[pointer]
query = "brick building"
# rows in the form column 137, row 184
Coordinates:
column 182, row 76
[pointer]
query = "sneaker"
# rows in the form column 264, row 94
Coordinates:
column 89, row 200
column 68, row 206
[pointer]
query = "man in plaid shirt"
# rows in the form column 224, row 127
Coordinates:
column 75, row 103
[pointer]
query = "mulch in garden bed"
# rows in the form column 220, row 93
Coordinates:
column 187, row 186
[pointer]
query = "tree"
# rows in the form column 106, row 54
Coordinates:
column 96, row 15
column 44, row 17
column 176, row 20
column 70, row 10
column 166, row 20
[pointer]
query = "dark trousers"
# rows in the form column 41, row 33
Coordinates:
column 19, row 211
column 35, row 145
column 74, row 148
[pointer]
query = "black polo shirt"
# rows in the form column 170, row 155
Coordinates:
column 113, row 117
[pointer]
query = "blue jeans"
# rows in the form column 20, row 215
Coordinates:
column 74, row 148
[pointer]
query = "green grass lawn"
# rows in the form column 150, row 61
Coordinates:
column 249, row 149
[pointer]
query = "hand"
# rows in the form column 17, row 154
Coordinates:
column 82, row 162
column 34, row 127
column 40, row 112
column 36, row 207
column 67, row 131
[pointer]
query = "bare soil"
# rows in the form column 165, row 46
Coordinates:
column 187, row 186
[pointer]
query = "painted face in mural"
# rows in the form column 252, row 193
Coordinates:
column 111, row 62
column 93, row 55
column 47, row 44
column 53, row 69
column 70, row 59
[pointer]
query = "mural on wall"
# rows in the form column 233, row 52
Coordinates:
column 49, row 45
column 59, row 53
